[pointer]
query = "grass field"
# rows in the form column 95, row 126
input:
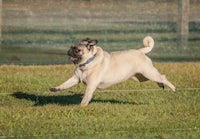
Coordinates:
column 29, row 110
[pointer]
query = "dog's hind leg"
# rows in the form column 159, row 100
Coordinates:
column 153, row 75
column 161, row 85
column 139, row 78
column 165, row 81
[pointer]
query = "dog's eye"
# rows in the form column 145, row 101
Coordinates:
column 77, row 50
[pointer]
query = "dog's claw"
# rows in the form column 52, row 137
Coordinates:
column 53, row 89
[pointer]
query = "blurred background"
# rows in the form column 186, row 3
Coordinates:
column 41, row 31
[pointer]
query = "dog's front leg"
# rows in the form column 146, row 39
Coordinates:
column 69, row 83
column 88, row 95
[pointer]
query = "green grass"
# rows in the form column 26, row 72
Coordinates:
column 29, row 110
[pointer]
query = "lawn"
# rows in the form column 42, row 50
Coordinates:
column 126, row 110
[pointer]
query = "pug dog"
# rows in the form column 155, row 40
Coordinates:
column 100, row 69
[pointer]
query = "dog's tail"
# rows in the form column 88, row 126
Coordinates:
column 148, row 43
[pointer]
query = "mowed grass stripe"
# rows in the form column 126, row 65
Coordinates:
column 108, row 28
column 109, row 33
column 96, row 28
column 49, row 44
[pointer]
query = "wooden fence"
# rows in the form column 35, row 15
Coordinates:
column 183, row 20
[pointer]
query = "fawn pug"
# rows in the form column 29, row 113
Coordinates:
column 100, row 69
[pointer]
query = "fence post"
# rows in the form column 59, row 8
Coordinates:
column 0, row 21
column 183, row 22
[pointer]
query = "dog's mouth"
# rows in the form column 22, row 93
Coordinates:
column 75, row 60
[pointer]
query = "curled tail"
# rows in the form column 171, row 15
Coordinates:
column 148, row 43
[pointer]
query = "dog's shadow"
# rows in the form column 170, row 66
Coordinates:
column 72, row 99
column 41, row 100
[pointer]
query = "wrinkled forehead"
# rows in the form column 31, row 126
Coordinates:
column 80, row 44
column 85, row 43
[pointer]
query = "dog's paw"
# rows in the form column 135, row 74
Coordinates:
column 54, row 89
column 84, row 103
column 174, row 89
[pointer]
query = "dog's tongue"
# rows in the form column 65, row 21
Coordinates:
column 72, row 58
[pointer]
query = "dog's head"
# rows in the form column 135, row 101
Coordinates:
column 81, row 51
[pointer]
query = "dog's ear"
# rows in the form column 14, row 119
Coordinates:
column 85, row 41
column 91, row 44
